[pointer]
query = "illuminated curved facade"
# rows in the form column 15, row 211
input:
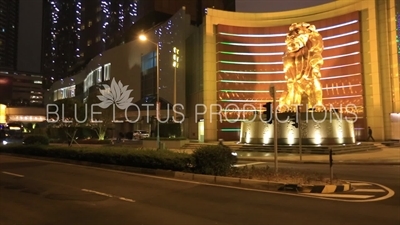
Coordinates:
column 242, row 57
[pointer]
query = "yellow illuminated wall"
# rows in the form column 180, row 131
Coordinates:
column 249, row 60
column 2, row 113
column 365, row 57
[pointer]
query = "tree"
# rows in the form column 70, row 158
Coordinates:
column 100, row 119
column 67, row 115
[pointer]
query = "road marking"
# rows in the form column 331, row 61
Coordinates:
column 126, row 199
column 369, row 190
column 249, row 164
column 360, row 184
column 108, row 195
column 13, row 174
column 97, row 193
column 340, row 195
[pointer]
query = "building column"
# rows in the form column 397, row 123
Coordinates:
column 371, row 72
column 381, row 78
column 210, row 82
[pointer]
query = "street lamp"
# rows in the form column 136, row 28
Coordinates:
column 175, row 64
column 143, row 37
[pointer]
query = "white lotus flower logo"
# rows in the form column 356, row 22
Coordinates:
column 116, row 94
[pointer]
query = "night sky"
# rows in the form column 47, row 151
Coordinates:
column 30, row 27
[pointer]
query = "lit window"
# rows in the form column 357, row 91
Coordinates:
column 97, row 38
column 97, row 75
column 107, row 71
column 89, row 42
column 89, row 23
column 82, row 27
column 98, row 18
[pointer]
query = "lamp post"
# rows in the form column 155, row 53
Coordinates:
column 175, row 64
column 158, row 105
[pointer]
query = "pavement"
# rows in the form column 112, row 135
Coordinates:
column 384, row 156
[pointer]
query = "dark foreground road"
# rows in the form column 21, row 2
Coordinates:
column 38, row 192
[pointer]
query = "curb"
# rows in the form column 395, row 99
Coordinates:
column 319, row 162
column 205, row 179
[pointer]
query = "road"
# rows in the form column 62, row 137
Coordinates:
column 41, row 192
column 388, row 175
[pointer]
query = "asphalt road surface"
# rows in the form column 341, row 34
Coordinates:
column 40, row 192
column 387, row 175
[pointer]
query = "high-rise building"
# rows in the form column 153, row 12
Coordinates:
column 8, row 33
column 76, row 31
column 21, row 89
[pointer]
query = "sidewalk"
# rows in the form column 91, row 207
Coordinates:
column 385, row 156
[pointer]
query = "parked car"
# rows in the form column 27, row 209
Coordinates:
column 140, row 134
column 10, row 137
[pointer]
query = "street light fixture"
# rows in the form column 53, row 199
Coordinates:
column 175, row 64
column 143, row 37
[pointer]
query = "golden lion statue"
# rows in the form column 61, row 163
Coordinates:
column 302, row 62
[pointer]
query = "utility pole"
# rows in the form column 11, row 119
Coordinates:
column 300, row 133
column 273, row 95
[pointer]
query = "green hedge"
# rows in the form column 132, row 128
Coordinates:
column 151, row 159
column 36, row 139
column 213, row 160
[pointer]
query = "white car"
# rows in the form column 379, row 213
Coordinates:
column 140, row 134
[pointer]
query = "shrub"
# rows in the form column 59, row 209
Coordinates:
column 150, row 159
column 213, row 160
column 36, row 139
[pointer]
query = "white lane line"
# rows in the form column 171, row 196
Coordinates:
column 108, row 195
column 97, row 193
column 249, row 164
column 126, row 199
column 13, row 174
column 340, row 195
column 369, row 190
column 360, row 184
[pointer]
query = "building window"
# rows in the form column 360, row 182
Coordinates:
column 149, row 62
column 97, row 38
column 89, row 23
column 98, row 18
column 106, row 74
column 97, row 75
column 82, row 26
column 88, row 82
column 89, row 42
